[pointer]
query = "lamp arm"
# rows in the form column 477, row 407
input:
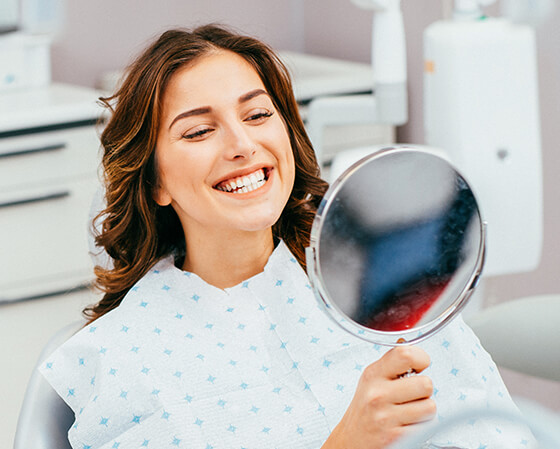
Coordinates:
column 389, row 104
column 388, row 46
column 388, row 58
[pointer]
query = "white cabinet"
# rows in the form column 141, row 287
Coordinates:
column 49, row 156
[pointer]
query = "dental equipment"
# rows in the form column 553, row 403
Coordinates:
column 27, row 30
column 388, row 104
column 481, row 106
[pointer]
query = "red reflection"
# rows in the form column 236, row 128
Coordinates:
column 408, row 307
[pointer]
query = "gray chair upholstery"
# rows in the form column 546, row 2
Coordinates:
column 45, row 418
column 522, row 335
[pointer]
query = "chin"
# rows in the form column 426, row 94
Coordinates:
column 262, row 223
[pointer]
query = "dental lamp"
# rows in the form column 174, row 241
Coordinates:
column 388, row 105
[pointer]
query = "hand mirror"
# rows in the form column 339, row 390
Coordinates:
column 397, row 246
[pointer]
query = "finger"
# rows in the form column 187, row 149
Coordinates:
column 416, row 411
column 408, row 389
column 415, row 428
column 402, row 359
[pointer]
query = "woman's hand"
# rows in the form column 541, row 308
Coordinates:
column 385, row 404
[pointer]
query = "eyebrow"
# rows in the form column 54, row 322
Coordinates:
column 197, row 111
column 206, row 109
column 252, row 94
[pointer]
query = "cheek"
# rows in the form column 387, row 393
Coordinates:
column 173, row 175
column 291, row 166
column 181, row 167
column 286, row 153
column 290, row 184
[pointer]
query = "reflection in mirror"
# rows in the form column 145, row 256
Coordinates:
column 397, row 245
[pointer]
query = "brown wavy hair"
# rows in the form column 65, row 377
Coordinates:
column 134, row 230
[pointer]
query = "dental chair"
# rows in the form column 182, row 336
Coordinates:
column 45, row 419
column 522, row 334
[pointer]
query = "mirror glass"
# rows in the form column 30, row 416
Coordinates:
column 397, row 246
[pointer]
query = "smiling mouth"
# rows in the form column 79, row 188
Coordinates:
column 244, row 184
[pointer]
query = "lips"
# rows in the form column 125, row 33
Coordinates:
column 244, row 184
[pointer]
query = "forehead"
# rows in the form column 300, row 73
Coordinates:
column 218, row 76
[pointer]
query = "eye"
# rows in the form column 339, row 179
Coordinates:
column 259, row 116
column 193, row 135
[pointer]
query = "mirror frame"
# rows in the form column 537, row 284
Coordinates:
column 386, row 338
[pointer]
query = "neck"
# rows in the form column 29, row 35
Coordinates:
column 227, row 260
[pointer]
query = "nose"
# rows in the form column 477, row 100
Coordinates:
column 239, row 143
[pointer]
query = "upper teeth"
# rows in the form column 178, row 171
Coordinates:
column 243, row 184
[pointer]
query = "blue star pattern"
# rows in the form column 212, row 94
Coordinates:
column 182, row 364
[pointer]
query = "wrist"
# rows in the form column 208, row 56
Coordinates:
column 335, row 439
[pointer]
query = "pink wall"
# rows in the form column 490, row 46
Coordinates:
column 104, row 35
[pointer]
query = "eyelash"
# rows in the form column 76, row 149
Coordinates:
column 196, row 134
column 260, row 115
column 201, row 132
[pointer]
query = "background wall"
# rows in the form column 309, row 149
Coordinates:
column 104, row 35
column 343, row 32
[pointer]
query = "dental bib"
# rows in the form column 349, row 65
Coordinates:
column 181, row 363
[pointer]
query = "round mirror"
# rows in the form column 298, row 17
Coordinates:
column 397, row 246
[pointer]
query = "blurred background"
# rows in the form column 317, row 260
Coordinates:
column 99, row 37
column 94, row 41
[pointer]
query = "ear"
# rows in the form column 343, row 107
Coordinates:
column 161, row 196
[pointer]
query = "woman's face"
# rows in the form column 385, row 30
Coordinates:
column 223, row 152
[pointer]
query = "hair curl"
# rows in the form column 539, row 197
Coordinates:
column 135, row 231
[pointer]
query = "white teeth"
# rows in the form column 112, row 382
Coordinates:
column 245, row 184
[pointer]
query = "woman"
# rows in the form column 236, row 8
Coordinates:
column 213, row 337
